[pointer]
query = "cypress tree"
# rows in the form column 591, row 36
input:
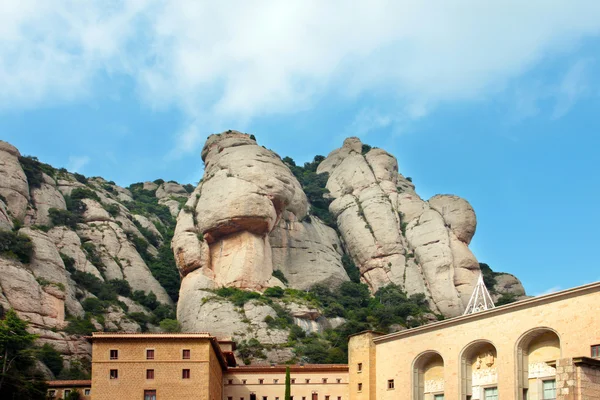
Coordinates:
column 288, row 394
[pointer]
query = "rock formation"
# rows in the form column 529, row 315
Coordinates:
column 249, row 225
column 242, row 223
column 396, row 237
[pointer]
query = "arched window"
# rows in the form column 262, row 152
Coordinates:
column 535, row 378
column 478, row 372
column 428, row 376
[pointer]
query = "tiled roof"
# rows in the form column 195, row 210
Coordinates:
column 150, row 335
column 293, row 368
column 70, row 383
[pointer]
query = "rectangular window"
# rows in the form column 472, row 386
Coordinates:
column 490, row 393
column 293, row 380
column 338, row 380
column 359, row 367
column 149, row 394
column 229, row 397
column 324, row 380
column 360, row 387
column 339, row 398
column 307, row 380
column 149, row 374
column 438, row 397
column 186, row 354
column 150, row 354
column 114, row 374
column 243, row 381
column 66, row 393
column 87, row 392
column 185, row 374
column 264, row 397
column 51, row 393
column 596, row 351
column 275, row 380
column 549, row 389
column 114, row 354
column 390, row 383
column 230, row 381
column 326, row 397
column 260, row 381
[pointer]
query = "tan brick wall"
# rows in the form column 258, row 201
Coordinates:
column 588, row 382
column 167, row 365
column 272, row 390
column 571, row 315
column 361, row 350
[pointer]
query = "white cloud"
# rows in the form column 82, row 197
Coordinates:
column 77, row 163
column 235, row 60
column 574, row 86
column 553, row 289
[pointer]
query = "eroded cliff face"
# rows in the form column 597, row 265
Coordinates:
column 394, row 236
column 242, row 223
column 101, row 243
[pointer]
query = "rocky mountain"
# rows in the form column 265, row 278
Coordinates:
column 284, row 258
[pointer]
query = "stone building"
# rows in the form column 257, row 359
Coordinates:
column 307, row 382
column 61, row 389
column 545, row 347
column 197, row 366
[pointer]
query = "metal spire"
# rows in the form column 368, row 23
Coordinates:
column 480, row 299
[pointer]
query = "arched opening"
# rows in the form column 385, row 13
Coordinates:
column 428, row 376
column 478, row 372
column 535, row 378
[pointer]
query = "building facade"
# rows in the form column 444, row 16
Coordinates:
column 539, row 348
column 547, row 347
column 307, row 382
column 61, row 389
column 157, row 366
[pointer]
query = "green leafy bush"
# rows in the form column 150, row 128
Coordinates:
column 365, row 149
column 80, row 326
column 170, row 325
column 279, row 275
column 237, row 296
column 80, row 178
column 112, row 209
column 121, row 287
column 64, row 218
column 84, row 193
column 52, row 358
column 16, row 245
column 313, row 185
column 34, row 170
column 93, row 305
column 274, row 292
column 350, row 268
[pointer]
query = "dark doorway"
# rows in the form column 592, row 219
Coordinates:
column 252, row 396
column 315, row 396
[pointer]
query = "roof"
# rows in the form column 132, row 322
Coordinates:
column 72, row 383
column 150, row 335
column 293, row 368
column 530, row 302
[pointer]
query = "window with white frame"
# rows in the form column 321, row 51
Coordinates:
column 549, row 389
column 596, row 351
column 438, row 396
column 490, row 393
column 87, row 392
column 66, row 393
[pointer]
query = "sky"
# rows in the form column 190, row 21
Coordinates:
column 497, row 102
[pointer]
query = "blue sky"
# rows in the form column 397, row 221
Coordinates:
column 497, row 103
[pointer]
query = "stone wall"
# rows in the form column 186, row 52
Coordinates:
column 577, row 378
column 569, row 314
column 167, row 365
